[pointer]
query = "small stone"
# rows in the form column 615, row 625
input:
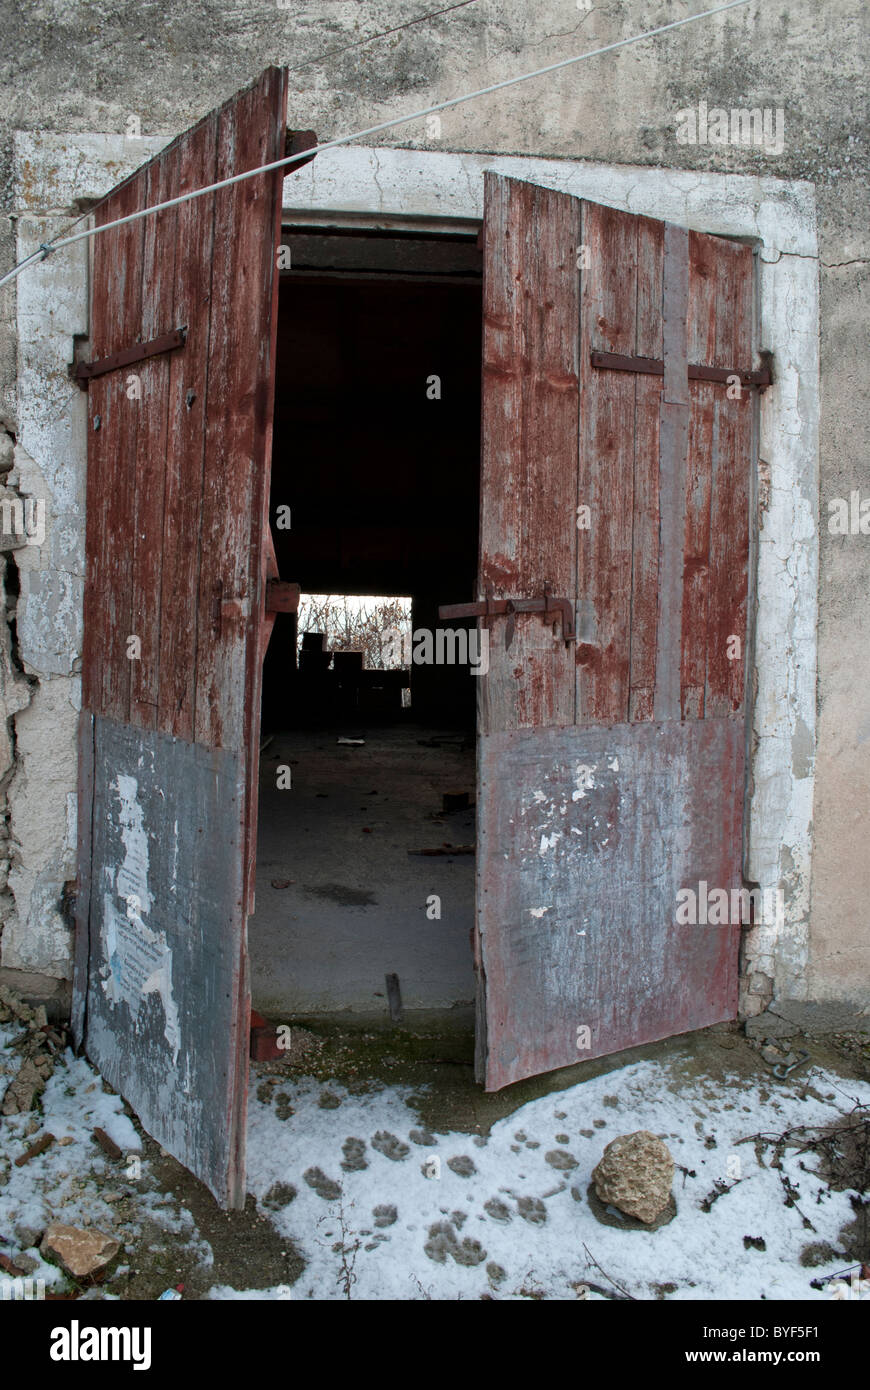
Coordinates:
column 83, row 1254
column 22, row 1093
column 635, row 1175
column 27, row 1236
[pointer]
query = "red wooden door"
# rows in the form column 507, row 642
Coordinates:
column 179, row 450
column 610, row 766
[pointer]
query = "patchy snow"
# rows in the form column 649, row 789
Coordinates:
column 387, row 1210
column 506, row 1218
column 73, row 1181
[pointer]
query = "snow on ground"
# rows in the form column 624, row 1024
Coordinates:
column 508, row 1216
column 72, row 1182
column 381, row 1208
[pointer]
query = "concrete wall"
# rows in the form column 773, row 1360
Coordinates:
column 90, row 67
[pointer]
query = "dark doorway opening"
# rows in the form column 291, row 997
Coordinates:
column 375, row 494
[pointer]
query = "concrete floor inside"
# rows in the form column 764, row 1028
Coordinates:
column 340, row 901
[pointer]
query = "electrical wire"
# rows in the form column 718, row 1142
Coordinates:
column 47, row 249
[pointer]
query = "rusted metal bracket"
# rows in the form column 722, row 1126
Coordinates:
column 549, row 607
column 654, row 366
column 167, row 342
column 282, row 597
column 295, row 142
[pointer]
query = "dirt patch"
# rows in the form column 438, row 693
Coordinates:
column 340, row 893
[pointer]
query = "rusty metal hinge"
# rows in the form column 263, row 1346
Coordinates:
column 549, row 607
column 167, row 342
column 654, row 366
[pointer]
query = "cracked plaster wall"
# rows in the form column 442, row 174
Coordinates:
column 88, row 65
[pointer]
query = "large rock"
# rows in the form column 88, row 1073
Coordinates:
column 635, row 1175
column 83, row 1254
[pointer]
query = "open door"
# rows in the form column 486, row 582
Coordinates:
column 617, row 442
column 181, row 387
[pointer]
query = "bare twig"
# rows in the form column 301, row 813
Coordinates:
column 607, row 1276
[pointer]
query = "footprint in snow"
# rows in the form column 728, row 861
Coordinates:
column 443, row 1244
column 324, row 1187
column 462, row 1166
column 497, row 1210
column 532, row 1209
column 423, row 1137
column 388, row 1145
column 354, row 1151
column 280, row 1194
column 558, row 1158
column 386, row 1215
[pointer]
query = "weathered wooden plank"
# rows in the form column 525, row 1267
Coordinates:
column 701, row 337
column 729, row 576
column 250, row 132
column 186, row 437
column 115, row 314
column 673, row 449
column 645, row 525
column 606, row 462
column 627, row 812
column 529, row 443
column 148, row 390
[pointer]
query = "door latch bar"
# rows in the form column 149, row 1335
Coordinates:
column 167, row 342
column 654, row 366
column 549, row 607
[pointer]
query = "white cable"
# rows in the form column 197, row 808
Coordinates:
column 46, row 250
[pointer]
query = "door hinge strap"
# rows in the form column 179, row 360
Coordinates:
column 654, row 366
column 549, row 607
column 167, row 342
